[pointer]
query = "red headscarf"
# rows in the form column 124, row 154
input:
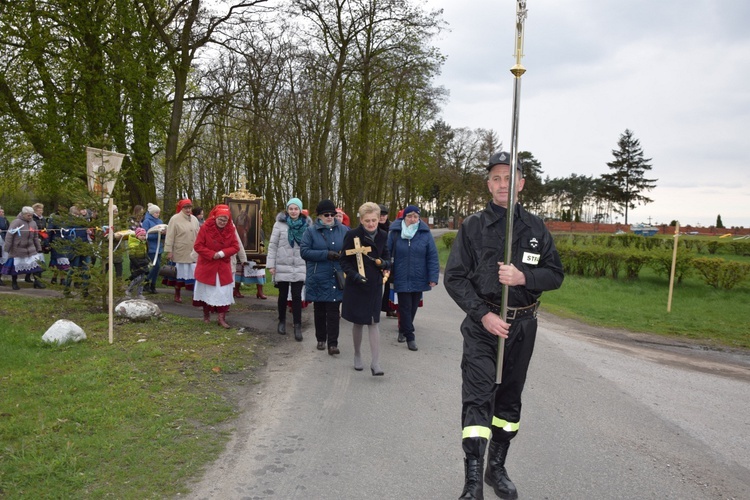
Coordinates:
column 182, row 203
column 220, row 210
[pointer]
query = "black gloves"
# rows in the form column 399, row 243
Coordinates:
column 381, row 264
column 333, row 255
column 358, row 278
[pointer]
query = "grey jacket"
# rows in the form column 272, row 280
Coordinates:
column 22, row 243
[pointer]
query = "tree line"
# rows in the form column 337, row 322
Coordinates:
column 309, row 98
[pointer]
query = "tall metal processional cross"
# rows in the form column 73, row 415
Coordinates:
column 359, row 250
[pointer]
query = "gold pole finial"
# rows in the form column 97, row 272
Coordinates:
column 521, row 13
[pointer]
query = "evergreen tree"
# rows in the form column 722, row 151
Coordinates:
column 533, row 190
column 719, row 223
column 627, row 183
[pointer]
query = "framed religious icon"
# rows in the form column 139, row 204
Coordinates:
column 246, row 216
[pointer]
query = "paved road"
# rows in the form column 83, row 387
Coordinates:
column 606, row 416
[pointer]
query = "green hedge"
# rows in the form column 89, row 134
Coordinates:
column 448, row 239
column 720, row 273
column 629, row 240
column 661, row 263
column 601, row 261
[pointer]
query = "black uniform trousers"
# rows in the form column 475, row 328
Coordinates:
column 490, row 410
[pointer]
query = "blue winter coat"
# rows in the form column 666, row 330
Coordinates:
column 150, row 221
column 415, row 261
column 320, row 283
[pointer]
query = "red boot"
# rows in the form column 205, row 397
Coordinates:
column 260, row 293
column 177, row 291
column 237, row 294
column 222, row 320
column 206, row 314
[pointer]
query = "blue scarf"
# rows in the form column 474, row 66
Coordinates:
column 296, row 229
column 408, row 232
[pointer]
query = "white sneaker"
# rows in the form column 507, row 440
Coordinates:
column 140, row 296
column 127, row 294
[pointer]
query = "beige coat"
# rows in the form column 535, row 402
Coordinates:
column 181, row 234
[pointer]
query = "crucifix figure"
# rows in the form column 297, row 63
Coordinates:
column 359, row 250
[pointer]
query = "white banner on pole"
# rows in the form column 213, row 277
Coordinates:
column 102, row 167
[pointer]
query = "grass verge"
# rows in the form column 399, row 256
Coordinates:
column 134, row 419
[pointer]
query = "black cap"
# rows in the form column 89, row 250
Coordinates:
column 325, row 206
column 502, row 158
column 383, row 209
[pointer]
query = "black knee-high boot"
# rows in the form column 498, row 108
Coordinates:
column 496, row 475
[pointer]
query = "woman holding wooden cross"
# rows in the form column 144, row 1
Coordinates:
column 365, row 261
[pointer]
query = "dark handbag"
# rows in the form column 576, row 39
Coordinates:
column 168, row 271
column 340, row 278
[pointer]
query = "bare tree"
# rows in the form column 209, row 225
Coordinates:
column 185, row 27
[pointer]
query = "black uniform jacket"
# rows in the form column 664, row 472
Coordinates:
column 471, row 275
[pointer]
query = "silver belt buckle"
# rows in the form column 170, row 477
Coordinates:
column 511, row 313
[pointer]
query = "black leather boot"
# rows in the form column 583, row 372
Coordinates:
column 281, row 329
column 473, row 483
column 298, row 332
column 496, row 475
column 14, row 283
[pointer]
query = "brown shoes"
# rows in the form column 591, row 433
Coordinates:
column 332, row 349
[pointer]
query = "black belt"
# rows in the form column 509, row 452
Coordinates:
column 515, row 313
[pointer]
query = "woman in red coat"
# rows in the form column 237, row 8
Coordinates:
column 214, row 277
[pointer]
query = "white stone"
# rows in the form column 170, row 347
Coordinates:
column 63, row 331
column 137, row 310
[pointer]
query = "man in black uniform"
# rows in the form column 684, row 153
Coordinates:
column 474, row 277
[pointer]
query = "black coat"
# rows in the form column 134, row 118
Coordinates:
column 362, row 300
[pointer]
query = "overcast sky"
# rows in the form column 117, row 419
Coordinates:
column 676, row 73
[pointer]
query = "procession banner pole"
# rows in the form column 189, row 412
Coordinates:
column 517, row 70
column 674, row 265
column 102, row 167
column 110, row 238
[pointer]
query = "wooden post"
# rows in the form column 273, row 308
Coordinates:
column 674, row 264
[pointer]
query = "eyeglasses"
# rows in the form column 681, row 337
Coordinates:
column 328, row 214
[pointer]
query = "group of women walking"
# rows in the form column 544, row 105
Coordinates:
column 336, row 265
column 22, row 249
column 29, row 236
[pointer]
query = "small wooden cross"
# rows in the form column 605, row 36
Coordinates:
column 359, row 250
